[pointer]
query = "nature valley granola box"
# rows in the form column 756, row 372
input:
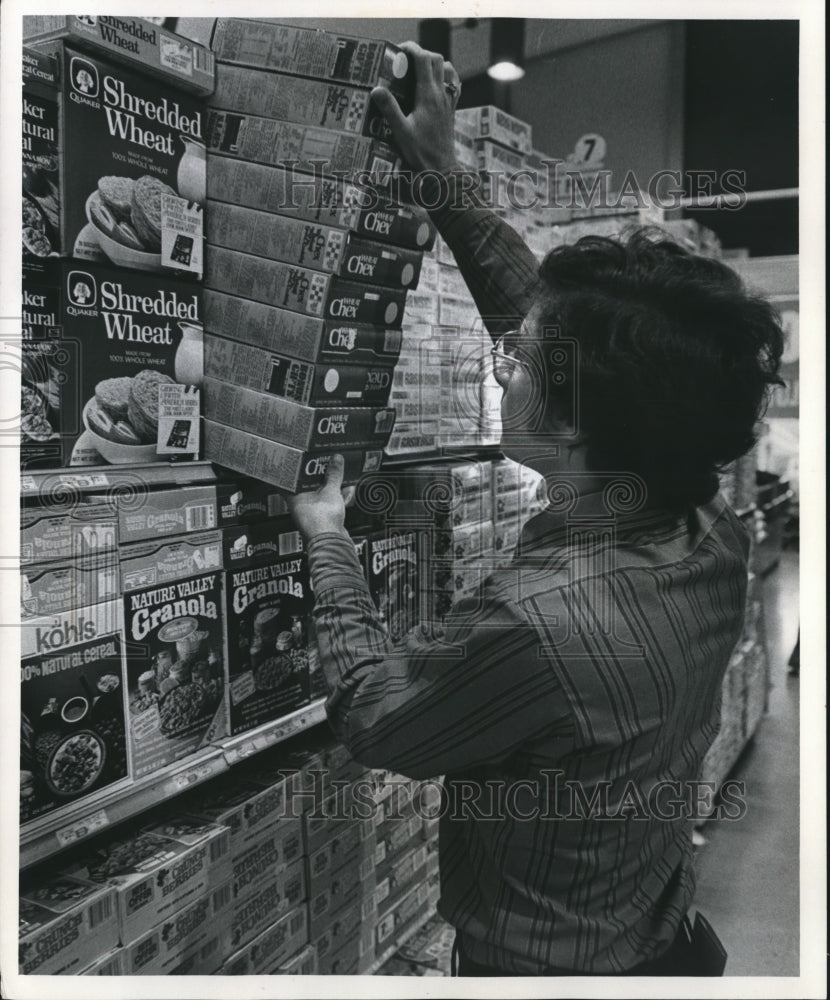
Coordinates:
column 268, row 603
column 72, row 735
column 156, row 870
column 392, row 574
column 175, row 668
column 65, row 923
column 132, row 166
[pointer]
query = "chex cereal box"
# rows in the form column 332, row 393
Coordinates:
column 156, row 870
column 175, row 667
column 138, row 43
column 314, row 197
column 280, row 375
column 49, row 534
column 72, row 733
column 132, row 166
column 322, row 428
column 65, row 923
column 299, row 336
column 289, row 469
column 41, row 156
column 308, row 148
column 198, row 934
column 289, row 286
column 263, row 955
column 326, row 55
column 306, row 101
column 303, row 963
column 119, row 384
column 268, row 602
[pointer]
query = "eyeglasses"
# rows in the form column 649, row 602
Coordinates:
column 505, row 355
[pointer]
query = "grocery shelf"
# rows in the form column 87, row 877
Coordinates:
column 49, row 834
column 89, row 479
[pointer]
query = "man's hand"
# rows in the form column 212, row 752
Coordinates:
column 425, row 137
column 324, row 510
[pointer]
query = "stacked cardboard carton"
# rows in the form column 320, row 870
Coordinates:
column 309, row 261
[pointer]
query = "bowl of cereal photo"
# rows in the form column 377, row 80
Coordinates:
column 110, row 211
column 75, row 764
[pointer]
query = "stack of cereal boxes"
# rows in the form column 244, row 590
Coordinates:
column 113, row 196
column 308, row 260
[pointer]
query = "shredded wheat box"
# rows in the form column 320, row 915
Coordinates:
column 320, row 428
column 289, row 469
column 48, row 534
column 263, row 955
column 64, row 924
column 134, row 41
column 273, row 373
column 198, row 934
column 132, row 166
column 156, row 870
column 118, row 381
column 268, row 603
column 303, row 100
column 307, row 148
column 72, row 735
column 314, row 197
column 299, row 336
column 175, row 668
column 289, row 286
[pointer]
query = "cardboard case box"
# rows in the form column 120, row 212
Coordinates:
column 300, row 289
column 289, row 469
column 119, row 383
column 157, row 870
column 490, row 122
column 302, row 382
column 132, row 166
column 72, row 735
column 263, row 955
column 270, row 900
column 304, row 427
column 136, row 42
column 314, row 197
column 64, row 924
column 298, row 336
column 162, row 513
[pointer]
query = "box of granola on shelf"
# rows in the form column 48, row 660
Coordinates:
column 53, row 534
column 268, row 602
column 72, row 728
column 41, row 156
column 132, row 166
column 175, row 666
column 65, row 923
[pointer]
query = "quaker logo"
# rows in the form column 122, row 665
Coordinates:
column 84, row 76
column 90, row 20
column 81, row 289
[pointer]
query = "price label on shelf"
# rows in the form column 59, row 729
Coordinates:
column 82, row 828
column 192, row 776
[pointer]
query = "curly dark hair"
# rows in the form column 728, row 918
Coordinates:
column 675, row 359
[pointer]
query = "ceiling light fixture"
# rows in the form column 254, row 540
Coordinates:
column 507, row 42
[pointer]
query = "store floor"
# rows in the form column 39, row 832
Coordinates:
column 748, row 870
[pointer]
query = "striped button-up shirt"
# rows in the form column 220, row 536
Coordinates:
column 569, row 704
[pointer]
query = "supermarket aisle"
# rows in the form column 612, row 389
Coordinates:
column 748, row 870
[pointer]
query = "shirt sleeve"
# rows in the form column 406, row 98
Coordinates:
column 426, row 706
column 496, row 264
